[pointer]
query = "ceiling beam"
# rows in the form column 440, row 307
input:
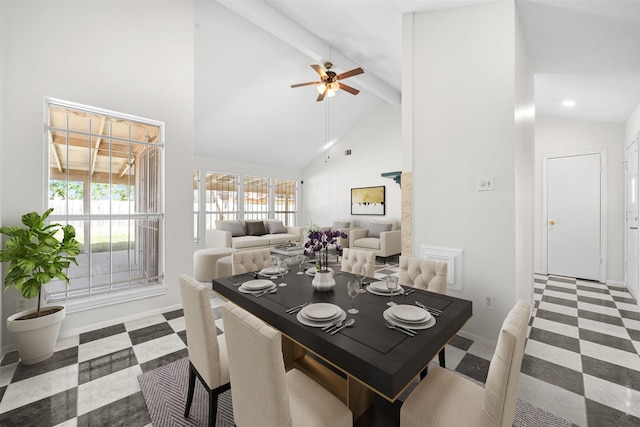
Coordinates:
column 276, row 23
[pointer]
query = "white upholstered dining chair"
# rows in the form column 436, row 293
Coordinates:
column 444, row 398
column 207, row 350
column 248, row 261
column 423, row 273
column 353, row 260
column 263, row 394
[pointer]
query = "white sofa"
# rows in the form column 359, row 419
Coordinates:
column 240, row 235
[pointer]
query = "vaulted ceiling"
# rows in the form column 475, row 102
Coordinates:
column 249, row 52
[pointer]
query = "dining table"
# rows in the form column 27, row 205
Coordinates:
column 358, row 362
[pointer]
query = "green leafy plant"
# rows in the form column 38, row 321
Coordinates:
column 36, row 256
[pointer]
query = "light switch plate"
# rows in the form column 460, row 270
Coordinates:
column 486, row 183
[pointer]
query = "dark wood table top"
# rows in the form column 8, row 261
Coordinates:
column 385, row 360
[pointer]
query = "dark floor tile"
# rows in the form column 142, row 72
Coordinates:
column 45, row 412
column 183, row 336
column 461, row 342
column 561, row 279
column 543, row 281
column 173, row 314
column 608, row 340
column 557, row 317
column 550, row 287
column 633, row 315
column 599, row 317
column 217, row 313
column 560, row 301
column 623, row 299
column 602, row 415
column 60, row 359
column 604, row 291
column 634, row 334
column 597, row 301
column 2, row 390
column 9, row 358
column 105, row 365
column 554, row 339
column 553, row 374
column 150, row 333
column 474, row 367
column 538, row 291
column 164, row 360
column 102, row 333
column 617, row 374
column 130, row 411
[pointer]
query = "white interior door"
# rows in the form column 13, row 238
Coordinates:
column 631, row 219
column 573, row 216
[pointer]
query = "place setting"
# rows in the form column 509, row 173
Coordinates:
column 277, row 270
column 389, row 287
column 408, row 318
column 258, row 287
column 321, row 315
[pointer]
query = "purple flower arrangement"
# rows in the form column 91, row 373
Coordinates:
column 318, row 244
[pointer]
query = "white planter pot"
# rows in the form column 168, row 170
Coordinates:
column 323, row 281
column 36, row 338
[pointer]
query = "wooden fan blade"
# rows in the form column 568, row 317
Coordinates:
column 306, row 84
column 349, row 89
column 319, row 70
column 324, row 92
column 353, row 72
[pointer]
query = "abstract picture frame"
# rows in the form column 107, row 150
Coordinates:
column 368, row 200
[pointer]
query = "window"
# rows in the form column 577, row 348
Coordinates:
column 221, row 197
column 286, row 206
column 196, row 206
column 256, row 198
column 105, row 177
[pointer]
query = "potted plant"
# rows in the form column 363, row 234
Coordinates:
column 36, row 256
column 318, row 244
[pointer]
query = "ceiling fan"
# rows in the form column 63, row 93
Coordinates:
column 329, row 81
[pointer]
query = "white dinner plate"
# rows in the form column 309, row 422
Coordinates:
column 398, row 291
column 319, row 324
column 424, row 325
column 270, row 271
column 382, row 287
column 312, row 271
column 256, row 285
column 409, row 313
column 320, row 311
column 253, row 291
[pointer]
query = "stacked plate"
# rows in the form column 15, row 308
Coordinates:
column 320, row 314
column 312, row 271
column 255, row 286
column 409, row 316
column 380, row 288
column 270, row 271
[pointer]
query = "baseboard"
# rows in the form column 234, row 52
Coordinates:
column 535, row 271
column 477, row 338
column 617, row 283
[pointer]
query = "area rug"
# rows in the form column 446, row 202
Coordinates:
column 165, row 393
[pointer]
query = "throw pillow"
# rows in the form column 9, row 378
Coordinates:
column 376, row 229
column 256, row 228
column 235, row 227
column 276, row 227
column 337, row 225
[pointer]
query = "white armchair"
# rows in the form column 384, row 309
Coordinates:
column 382, row 238
column 344, row 225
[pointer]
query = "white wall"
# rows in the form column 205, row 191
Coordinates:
column 469, row 79
column 633, row 126
column 559, row 136
column 375, row 146
column 135, row 58
column 1, row 143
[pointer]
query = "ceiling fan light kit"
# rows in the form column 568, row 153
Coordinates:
column 329, row 82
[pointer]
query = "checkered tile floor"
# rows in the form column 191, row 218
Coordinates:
column 581, row 363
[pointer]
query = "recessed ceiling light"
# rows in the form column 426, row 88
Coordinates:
column 568, row 103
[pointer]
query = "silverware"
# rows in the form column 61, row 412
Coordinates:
column 406, row 331
column 346, row 324
column 433, row 311
column 263, row 293
column 332, row 325
column 297, row 308
column 409, row 291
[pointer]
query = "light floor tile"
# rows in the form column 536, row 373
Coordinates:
column 556, row 400
column 108, row 389
column 636, row 344
column 217, row 302
column 557, row 308
column 73, row 422
column 603, row 328
column 594, row 308
column 6, row 373
column 219, row 324
column 557, row 355
column 597, row 295
column 158, row 347
column 557, row 327
column 143, row 323
column 68, row 342
column 563, row 295
column 610, row 354
column 628, row 307
column 484, row 350
column 559, row 284
column 38, row 387
column 622, row 294
column 452, row 356
column 177, row 324
column 595, row 285
column 103, row 346
column 616, row 396
column 631, row 324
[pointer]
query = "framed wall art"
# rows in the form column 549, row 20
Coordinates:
column 367, row 201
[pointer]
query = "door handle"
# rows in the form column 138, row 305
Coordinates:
column 552, row 222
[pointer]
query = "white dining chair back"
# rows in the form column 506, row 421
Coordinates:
column 444, row 398
column 423, row 273
column 353, row 260
column 248, row 261
column 263, row 394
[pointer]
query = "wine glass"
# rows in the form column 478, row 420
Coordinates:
column 300, row 260
column 282, row 269
column 353, row 289
column 392, row 285
column 361, row 272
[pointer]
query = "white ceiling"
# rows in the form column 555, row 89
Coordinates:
column 249, row 52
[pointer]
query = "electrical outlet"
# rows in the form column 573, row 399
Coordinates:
column 21, row 304
column 487, row 302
